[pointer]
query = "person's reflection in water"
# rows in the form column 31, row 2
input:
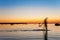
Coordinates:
column 45, row 32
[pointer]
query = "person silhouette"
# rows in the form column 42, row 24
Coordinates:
column 46, row 28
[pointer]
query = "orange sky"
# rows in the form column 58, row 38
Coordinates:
column 31, row 20
column 28, row 20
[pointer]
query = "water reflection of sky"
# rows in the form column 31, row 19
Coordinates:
column 28, row 26
column 29, row 35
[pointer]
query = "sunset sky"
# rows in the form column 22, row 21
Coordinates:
column 36, row 10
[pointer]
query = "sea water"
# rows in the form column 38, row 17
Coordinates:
column 53, row 34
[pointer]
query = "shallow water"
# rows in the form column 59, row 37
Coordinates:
column 53, row 34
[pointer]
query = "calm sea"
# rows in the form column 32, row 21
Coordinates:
column 53, row 34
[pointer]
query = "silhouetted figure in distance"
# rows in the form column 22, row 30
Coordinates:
column 46, row 33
